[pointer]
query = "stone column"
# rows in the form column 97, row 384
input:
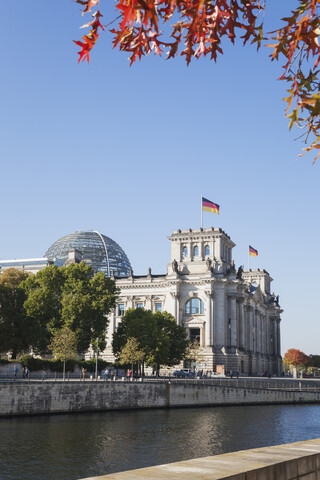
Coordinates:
column 190, row 252
column 233, row 315
column 218, row 249
column 266, row 319
column 250, row 329
column 203, row 335
column 111, row 327
column 219, row 315
column 176, row 313
column 241, row 325
column 275, row 336
column 212, row 248
column 258, row 331
column 263, row 334
column 254, row 330
column 148, row 303
column 245, row 326
column 278, row 337
column 209, row 319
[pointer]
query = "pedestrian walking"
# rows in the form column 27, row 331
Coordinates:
column 84, row 373
column 15, row 371
column 27, row 373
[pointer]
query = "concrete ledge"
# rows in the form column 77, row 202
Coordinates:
column 293, row 461
column 38, row 398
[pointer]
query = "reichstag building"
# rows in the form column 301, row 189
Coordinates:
column 231, row 312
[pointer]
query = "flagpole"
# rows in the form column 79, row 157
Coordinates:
column 248, row 257
column 201, row 213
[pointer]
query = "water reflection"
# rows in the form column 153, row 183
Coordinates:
column 69, row 447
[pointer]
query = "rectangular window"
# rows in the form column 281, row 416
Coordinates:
column 158, row 307
column 139, row 305
column 120, row 309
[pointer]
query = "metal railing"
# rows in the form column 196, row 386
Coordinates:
column 222, row 382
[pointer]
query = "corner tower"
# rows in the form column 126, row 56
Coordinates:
column 193, row 250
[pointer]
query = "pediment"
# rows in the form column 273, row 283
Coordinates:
column 193, row 322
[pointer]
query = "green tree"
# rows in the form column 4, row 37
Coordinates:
column 70, row 296
column 314, row 361
column 131, row 353
column 64, row 346
column 160, row 338
column 176, row 343
column 16, row 330
column 141, row 325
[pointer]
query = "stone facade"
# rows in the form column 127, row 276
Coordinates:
column 232, row 313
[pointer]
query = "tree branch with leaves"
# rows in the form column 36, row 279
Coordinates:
column 131, row 353
column 64, row 346
column 197, row 28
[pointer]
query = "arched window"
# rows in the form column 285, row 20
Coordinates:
column 196, row 251
column 185, row 251
column 194, row 306
column 207, row 250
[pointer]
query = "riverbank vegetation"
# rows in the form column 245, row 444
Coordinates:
column 303, row 364
column 35, row 308
column 63, row 312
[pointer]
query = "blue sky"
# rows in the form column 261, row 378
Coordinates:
column 128, row 151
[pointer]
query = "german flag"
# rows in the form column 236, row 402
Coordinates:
column 208, row 206
column 253, row 251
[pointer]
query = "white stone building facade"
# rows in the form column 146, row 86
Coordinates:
column 232, row 313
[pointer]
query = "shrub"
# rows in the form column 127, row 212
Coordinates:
column 90, row 365
column 35, row 364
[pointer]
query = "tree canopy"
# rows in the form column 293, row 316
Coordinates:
column 295, row 357
column 198, row 27
column 131, row 353
column 72, row 297
column 160, row 339
column 16, row 330
column 314, row 361
column 64, row 346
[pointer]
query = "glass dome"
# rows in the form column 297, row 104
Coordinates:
column 104, row 254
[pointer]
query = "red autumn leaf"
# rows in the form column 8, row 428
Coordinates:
column 201, row 28
column 88, row 4
column 295, row 357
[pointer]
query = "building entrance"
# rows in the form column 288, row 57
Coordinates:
column 194, row 334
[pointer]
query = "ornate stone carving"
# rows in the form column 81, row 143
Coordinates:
column 174, row 294
column 174, row 266
column 239, row 273
column 209, row 263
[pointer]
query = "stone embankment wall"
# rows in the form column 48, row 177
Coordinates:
column 293, row 461
column 27, row 398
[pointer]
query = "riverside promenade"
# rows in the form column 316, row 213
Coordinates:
column 34, row 397
column 293, row 461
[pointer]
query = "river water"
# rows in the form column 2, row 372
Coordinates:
column 70, row 447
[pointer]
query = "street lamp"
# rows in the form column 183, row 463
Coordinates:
column 97, row 358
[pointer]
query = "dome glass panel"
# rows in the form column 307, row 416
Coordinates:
column 103, row 253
